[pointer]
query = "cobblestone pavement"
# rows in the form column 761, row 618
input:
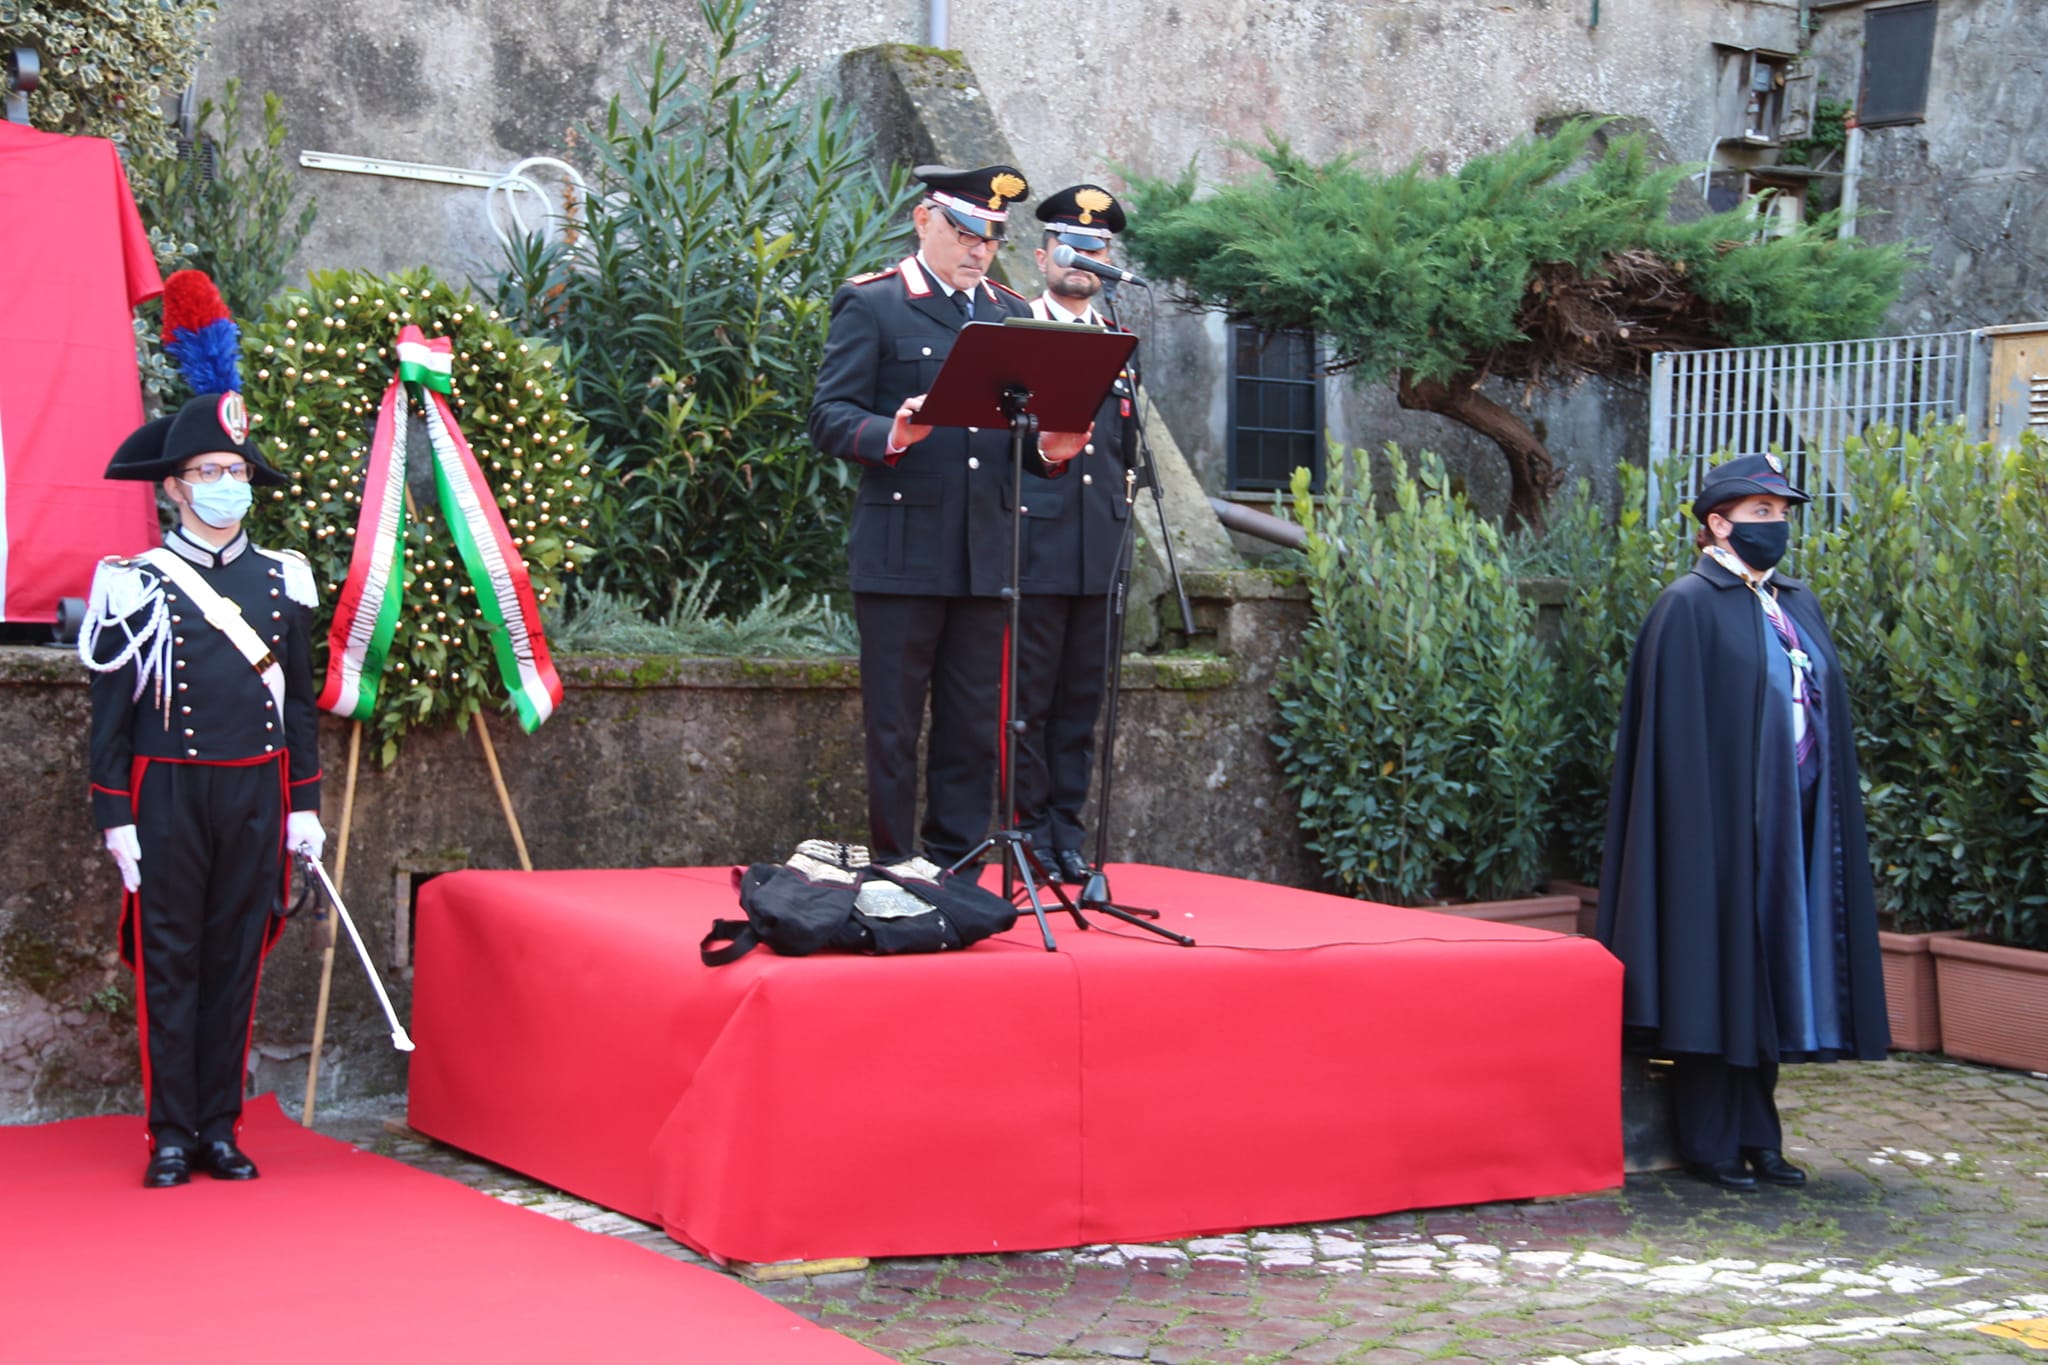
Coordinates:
column 1922, row 1235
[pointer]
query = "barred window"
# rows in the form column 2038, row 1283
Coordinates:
column 1276, row 409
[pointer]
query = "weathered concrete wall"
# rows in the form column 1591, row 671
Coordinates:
column 1147, row 88
column 1970, row 184
column 649, row 763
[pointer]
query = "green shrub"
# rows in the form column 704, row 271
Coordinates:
column 107, row 65
column 1936, row 591
column 692, row 307
column 776, row 626
column 1416, row 726
column 237, row 203
column 1617, row 567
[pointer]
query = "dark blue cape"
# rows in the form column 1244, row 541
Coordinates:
column 1736, row 942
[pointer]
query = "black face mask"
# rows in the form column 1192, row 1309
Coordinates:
column 1760, row 544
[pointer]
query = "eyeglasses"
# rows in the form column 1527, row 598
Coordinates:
column 971, row 240
column 209, row 472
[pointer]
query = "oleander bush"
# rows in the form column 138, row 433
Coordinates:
column 1417, row 731
column 691, row 307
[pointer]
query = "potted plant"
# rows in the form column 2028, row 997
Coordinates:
column 1936, row 577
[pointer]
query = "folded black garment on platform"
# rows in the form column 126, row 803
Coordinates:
column 830, row 897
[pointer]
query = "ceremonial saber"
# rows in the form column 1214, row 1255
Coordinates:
column 399, row 1039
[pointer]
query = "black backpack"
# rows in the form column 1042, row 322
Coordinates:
column 828, row 896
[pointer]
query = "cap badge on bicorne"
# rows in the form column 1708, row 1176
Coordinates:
column 1004, row 187
column 1091, row 202
column 234, row 417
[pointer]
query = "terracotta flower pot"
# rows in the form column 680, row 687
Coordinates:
column 1589, row 902
column 1559, row 914
column 1909, row 993
column 1994, row 1002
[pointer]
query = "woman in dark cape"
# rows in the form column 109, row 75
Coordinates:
column 1736, row 883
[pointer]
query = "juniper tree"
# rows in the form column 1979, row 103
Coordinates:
column 1510, row 268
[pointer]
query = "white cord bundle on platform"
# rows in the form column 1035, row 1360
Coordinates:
column 122, row 591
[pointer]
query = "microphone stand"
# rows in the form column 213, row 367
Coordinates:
column 1095, row 892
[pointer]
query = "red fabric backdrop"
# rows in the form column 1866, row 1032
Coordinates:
column 74, row 263
column 1313, row 1058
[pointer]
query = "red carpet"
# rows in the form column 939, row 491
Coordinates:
column 337, row 1255
column 1314, row 1058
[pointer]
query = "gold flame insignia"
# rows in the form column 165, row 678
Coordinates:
column 1005, row 186
column 1092, row 202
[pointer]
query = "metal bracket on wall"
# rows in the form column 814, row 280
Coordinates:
column 562, row 209
column 403, row 170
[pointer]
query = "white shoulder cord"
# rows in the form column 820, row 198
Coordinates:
column 119, row 593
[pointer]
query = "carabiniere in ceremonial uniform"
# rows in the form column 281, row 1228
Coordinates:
column 1073, row 535
column 929, row 551
column 205, row 769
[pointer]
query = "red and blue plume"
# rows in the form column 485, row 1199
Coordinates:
column 199, row 334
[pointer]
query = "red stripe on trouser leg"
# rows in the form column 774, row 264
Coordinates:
column 131, row 935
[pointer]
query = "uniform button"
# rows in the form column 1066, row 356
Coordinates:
column 177, row 639
column 182, row 687
column 974, row 431
column 1087, row 478
column 1088, row 449
column 186, row 709
column 273, row 591
column 190, row 733
column 170, row 597
column 973, row 463
column 1025, row 510
column 177, row 620
column 178, row 663
column 268, row 747
column 268, row 706
column 927, row 350
column 896, row 497
column 191, row 753
column 268, row 726
column 276, row 574
column 277, row 616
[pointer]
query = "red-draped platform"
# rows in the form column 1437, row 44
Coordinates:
column 1313, row 1058
column 336, row 1257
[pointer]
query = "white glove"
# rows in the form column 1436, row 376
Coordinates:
column 127, row 851
column 302, row 833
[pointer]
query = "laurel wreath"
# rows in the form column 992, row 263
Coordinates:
column 314, row 369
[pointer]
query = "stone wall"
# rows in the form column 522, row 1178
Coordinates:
column 654, row 762
column 1970, row 183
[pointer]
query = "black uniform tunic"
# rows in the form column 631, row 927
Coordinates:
column 205, row 767
column 927, row 558
column 1072, row 538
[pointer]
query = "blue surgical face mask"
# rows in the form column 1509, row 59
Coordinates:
column 219, row 504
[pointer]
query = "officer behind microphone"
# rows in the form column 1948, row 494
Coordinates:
column 1073, row 530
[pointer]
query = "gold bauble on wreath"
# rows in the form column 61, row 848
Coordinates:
column 314, row 369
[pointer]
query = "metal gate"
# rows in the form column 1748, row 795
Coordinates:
column 1807, row 400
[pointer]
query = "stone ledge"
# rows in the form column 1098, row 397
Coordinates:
column 41, row 666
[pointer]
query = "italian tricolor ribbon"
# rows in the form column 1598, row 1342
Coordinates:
column 366, row 616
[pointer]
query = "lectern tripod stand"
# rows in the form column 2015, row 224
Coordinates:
column 1030, row 374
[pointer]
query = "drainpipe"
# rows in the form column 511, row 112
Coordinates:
column 1852, row 166
column 935, row 23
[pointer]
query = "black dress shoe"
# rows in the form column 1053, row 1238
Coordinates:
column 1770, row 1165
column 1729, row 1175
column 168, row 1166
column 224, row 1161
column 1070, row 865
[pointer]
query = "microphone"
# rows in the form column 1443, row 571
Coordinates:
column 1074, row 260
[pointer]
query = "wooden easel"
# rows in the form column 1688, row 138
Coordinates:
column 328, row 935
